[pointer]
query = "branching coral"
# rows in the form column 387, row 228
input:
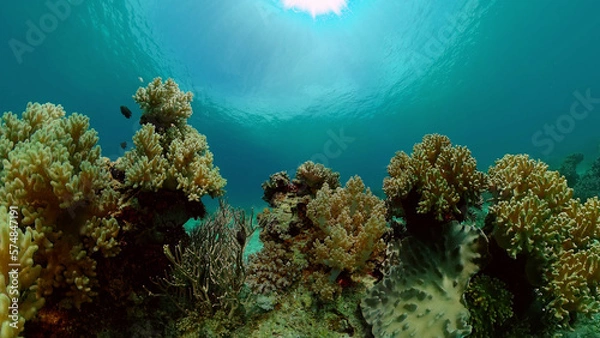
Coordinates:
column 55, row 175
column 168, row 153
column 423, row 295
column 209, row 272
column 19, row 300
column 437, row 179
column 352, row 223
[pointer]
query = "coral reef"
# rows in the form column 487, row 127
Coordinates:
column 422, row 296
column 438, row 179
column 54, row 173
column 168, row 153
column 18, row 275
column 324, row 241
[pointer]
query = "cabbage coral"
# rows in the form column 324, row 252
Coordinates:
column 438, row 179
column 168, row 153
column 54, row 173
column 422, row 296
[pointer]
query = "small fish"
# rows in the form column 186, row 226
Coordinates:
column 123, row 145
column 141, row 79
column 126, row 112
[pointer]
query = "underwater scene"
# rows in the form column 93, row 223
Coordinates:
column 300, row 168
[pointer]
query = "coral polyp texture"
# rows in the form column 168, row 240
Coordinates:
column 438, row 179
column 18, row 275
column 168, row 153
column 351, row 223
column 54, row 173
column 163, row 104
column 534, row 215
column 422, row 296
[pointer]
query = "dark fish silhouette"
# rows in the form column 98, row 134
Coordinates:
column 126, row 112
column 123, row 145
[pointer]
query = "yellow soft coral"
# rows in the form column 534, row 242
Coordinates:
column 163, row 104
column 518, row 175
column 178, row 160
column 168, row 153
column 573, row 281
column 438, row 178
column 352, row 222
column 19, row 301
column 55, row 175
column 311, row 176
column 535, row 215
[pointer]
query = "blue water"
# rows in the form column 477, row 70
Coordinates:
column 275, row 87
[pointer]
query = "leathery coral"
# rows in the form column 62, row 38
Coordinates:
column 438, row 179
column 56, row 177
column 422, row 296
column 17, row 247
column 168, row 153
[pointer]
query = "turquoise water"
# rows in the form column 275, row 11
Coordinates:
column 272, row 85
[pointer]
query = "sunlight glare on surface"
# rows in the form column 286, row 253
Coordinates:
column 316, row 7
